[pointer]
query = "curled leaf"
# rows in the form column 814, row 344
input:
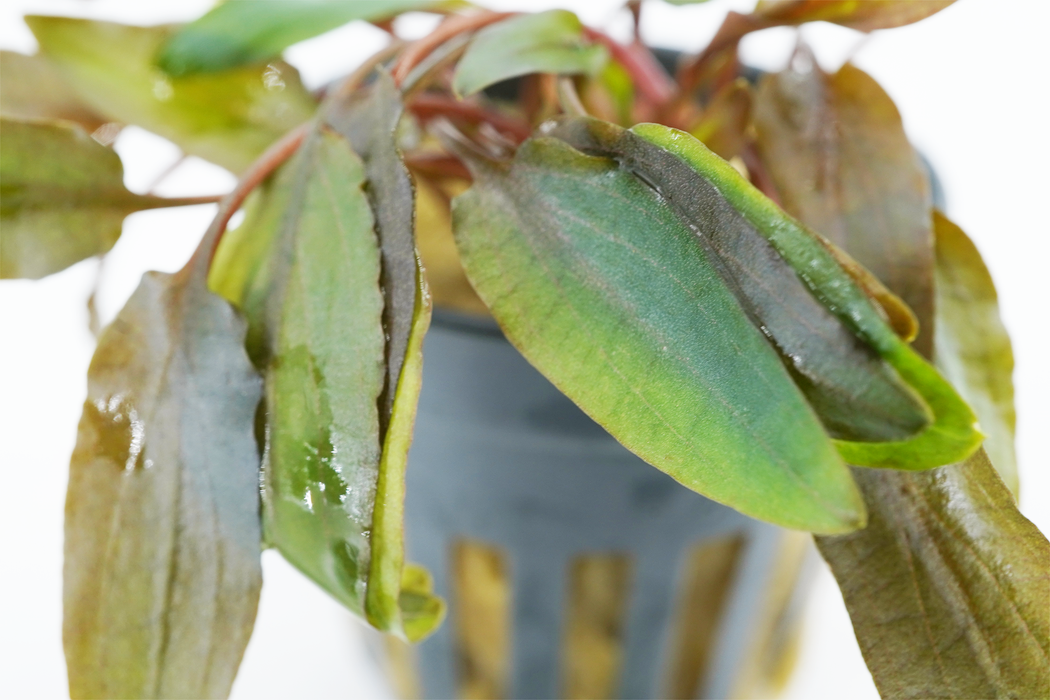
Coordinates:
column 598, row 281
column 866, row 16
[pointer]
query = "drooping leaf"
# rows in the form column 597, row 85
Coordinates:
column 306, row 266
column 228, row 118
column 866, row 16
column 972, row 346
column 62, row 197
column 595, row 278
column 33, row 89
column 162, row 568
column 947, row 586
column 545, row 42
column 793, row 288
column 241, row 32
column 837, row 152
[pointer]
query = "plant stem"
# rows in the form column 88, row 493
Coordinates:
column 569, row 98
column 448, row 29
column 650, row 78
column 429, row 106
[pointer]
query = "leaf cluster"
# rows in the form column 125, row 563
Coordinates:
column 743, row 281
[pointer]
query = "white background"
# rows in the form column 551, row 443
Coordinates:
column 971, row 83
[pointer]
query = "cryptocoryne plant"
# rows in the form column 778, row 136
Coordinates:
column 742, row 279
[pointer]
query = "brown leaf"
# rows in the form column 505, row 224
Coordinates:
column 866, row 16
column 836, row 150
column 162, row 570
column 947, row 586
column 34, row 89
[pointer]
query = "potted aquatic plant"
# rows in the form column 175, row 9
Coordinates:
column 669, row 307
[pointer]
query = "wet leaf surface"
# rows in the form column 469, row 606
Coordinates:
column 162, row 567
column 595, row 278
column 63, row 197
column 228, row 118
column 33, row 89
column 973, row 348
column 841, row 162
column 947, row 586
column 547, row 42
column 306, row 265
column 241, row 32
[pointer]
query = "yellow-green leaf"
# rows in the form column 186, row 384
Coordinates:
column 33, row 89
column 228, row 118
column 972, row 347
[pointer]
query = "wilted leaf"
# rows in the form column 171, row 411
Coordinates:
column 947, row 586
column 306, row 266
column 33, row 89
column 596, row 279
column 62, row 197
column 972, row 346
column 228, row 118
column 162, row 570
column 240, row 32
column 865, row 15
column 546, row 42
column 836, row 150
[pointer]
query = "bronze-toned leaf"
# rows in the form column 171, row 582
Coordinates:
column 229, row 117
column 972, row 346
column 62, row 197
column 162, row 570
column 948, row 585
column 33, row 89
column 836, row 150
column 866, row 15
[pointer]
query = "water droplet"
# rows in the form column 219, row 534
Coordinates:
column 162, row 89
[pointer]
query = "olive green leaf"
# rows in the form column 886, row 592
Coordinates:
column 228, row 118
column 545, row 42
column 972, row 346
column 33, row 89
column 841, row 162
column 306, row 266
column 602, row 286
column 62, row 197
column 779, row 271
column 947, row 586
column 240, row 32
column 866, row 16
column 162, row 568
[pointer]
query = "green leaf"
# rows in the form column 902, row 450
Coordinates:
column 546, row 42
column 240, row 32
column 63, row 197
column 228, row 118
column 866, row 16
column 953, row 435
column 972, row 346
column 947, row 586
column 342, row 353
column 596, row 279
column 859, row 183
column 162, row 569
column 33, row 89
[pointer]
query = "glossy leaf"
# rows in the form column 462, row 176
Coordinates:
column 63, row 197
column 33, row 89
column 546, row 42
column 836, row 151
column 306, row 266
column 972, row 346
column 600, row 284
column 953, row 434
column 242, row 32
column 228, row 118
column 162, row 568
column 866, row 15
column 947, row 586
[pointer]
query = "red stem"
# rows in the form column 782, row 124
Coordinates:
column 452, row 27
column 650, row 78
column 429, row 106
